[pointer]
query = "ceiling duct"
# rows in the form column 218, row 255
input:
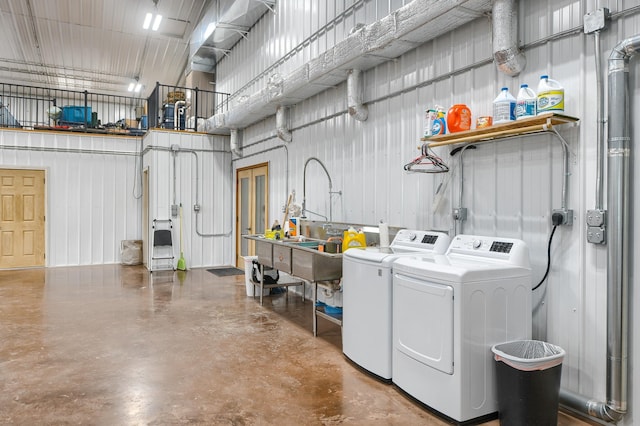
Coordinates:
column 355, row 96
column 223, row 25
column 506, row 54
column 373, row 44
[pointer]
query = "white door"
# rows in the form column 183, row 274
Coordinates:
column 423, row 321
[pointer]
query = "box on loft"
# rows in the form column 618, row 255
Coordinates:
column 76, row 114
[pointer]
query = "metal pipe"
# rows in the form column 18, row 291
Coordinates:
column 197, row 172
column 281, row 124
column 565, row 168
column 618, row 209
column 233, row 142
column 600, row 124
column 304, row 187
column 355, row 96
column 507, row 55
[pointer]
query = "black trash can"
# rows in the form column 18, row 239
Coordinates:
column 528, row 376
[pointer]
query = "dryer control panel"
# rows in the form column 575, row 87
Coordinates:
column 508, row 250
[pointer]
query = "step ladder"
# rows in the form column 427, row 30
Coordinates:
column 162, row 257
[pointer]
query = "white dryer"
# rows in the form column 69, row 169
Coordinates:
column 448, row 311
column 366, row 297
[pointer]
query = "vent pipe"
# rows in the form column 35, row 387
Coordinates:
column 506, row 53
column 234, row 142
column 282, row 115
column 618, row 262
column 355, row 96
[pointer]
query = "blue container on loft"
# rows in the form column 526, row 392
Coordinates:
column 75, row 115
column 168, row 121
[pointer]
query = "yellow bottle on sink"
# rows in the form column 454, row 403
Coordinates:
column 353, row 239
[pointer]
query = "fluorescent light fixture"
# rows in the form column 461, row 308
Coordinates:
column 137, row 88
column 210, row 29
column 131, row 87
column 156, row 23
column 147, row 21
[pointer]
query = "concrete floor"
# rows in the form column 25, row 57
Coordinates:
column 101, row 345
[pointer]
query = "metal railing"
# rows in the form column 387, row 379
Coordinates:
column 170, row 107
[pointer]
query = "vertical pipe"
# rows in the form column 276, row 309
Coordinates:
column 618, row 266
column 506, row 53
column 355, row 96
column 619, row 151
column 600, row 124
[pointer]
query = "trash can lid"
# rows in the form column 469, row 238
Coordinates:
column 528, row 355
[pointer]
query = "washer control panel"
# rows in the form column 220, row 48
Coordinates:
column 437, row 242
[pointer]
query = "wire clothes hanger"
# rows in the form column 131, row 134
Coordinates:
column 427, row 162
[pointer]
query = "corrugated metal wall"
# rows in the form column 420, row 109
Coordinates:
column 92, row 191
column 510, row 187
column 202, row 176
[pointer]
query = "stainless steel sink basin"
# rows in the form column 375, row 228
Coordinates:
column 298, row 258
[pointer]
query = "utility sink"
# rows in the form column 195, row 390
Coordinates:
column 298, row 258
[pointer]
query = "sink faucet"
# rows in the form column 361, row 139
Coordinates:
column 304, row 190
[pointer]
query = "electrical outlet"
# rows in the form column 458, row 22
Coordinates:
column 596, row 235
column 459, row 213
column 595, row 217
column 566, row 217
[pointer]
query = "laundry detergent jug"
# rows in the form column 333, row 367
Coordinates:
column 458, row 118
column 504, row 107
column 526, row 102
column 353, row 239
column 550, row 95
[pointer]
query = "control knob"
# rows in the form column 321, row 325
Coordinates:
column 477, row 244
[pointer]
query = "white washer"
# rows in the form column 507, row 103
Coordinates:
column 366, row 297
column 448, row 311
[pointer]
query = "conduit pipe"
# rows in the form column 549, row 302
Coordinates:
column 197, row 206
column 233, row 141
column 282, row 129
column 506, row 54
column 355, row 96
column 618, row 208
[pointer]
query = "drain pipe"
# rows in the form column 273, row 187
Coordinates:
column 506, row 54
column 618, row 193
column 282, row 129
column 355, row 96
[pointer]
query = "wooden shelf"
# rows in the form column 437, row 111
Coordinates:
column 541, row 123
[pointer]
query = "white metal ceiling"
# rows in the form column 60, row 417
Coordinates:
column 95, row 45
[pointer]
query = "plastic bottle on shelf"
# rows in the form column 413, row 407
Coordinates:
column 439, row 126
column 458, row 118
column 504, row 107
column 430, row 116
column 526, row 102
column 550, row 96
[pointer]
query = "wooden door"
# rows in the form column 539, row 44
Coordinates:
column 252, row 193
column 22, row 218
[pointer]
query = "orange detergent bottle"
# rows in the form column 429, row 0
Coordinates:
column 458, row 118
